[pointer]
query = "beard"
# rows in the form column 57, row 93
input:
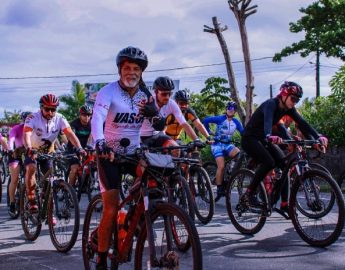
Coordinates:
column 130, row 83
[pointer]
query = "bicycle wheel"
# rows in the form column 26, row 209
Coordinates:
column 90, row 236
column 341, row 182
column 211, row 169
column 168, row 255
column 246, row 219
column 201, row 189
column 63, row 216
column 31, row 223
column 93, row 187
column 179, row 194
column 321, row 226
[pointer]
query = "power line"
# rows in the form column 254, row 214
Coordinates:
column 112, row 74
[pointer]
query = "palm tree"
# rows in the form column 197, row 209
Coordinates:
column 73, row 101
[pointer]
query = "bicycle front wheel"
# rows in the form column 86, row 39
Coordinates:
column 246, row 219
column 63, row 216
column 31, row 222
column 201, row 189
column 90, row 232
column 320, row 223
column 168, row 254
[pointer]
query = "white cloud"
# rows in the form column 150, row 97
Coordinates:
column 61, row 37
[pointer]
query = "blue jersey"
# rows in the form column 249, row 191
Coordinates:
column 225, row 127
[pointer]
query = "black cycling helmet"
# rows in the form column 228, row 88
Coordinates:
column 49, row 100
column 132, row 54
column 163, row 84
column 291, row 88
column 23, row 115
column 231, row 105
column 182, row 95
column 85, row 109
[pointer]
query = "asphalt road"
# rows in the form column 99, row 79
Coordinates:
column 276, row 246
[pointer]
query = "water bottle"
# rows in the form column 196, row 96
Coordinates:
column 121, row 231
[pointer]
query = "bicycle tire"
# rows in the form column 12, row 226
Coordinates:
column 314, row 166
column 246, row 220
column 31, row 223
column 162, row 215
column 331, row 226
column 89, row 235
column 201, row 189
column 180, row 194
column 341, row 182
column 92, row 188
column 65, row 200
column 17, row 197
column 211, row 169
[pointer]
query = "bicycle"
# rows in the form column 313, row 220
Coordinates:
column 87, row 181
column 177, row 188
column 4, row 172
column 190, row 167
column 57, row 206
column 166, row 235
column 316, row 205
column 230, row 167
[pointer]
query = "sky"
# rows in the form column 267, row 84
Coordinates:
column 63, row 40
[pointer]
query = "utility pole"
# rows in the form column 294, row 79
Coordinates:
column 271, row 91
column 317, row 75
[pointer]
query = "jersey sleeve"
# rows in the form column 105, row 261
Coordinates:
column 30, row 122
column 100, row 111
column 64, row 123
column 178, row 113
column 191, row 115
column 239, row 126
column 268, row 112
column 210, row 120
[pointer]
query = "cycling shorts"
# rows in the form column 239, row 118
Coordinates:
column 45, row 164
column 157, row 140
column 110, row 173
column 221, row 149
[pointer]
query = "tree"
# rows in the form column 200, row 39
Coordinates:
column 324, row 28
column 73, row 101
column 337, row 84
column 215, row 95
column 11, row 117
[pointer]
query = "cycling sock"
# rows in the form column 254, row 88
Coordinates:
column 283, row 204
column 102, row 257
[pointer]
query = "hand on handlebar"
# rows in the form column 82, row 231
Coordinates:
column 274, row 139
column 198, row 143
column 104, row 151
column 31, row 153
column 323, row 144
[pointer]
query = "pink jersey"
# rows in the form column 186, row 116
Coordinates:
column 15, row 139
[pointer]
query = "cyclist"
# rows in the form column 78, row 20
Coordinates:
column 16, row 150
column 258, row 140
column 173, row 127
column 222, row 147
column 82, row 129
column 116, row 115
column 163, row 87
column 40, row 131
column 3, row 142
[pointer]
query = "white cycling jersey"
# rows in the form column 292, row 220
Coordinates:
column 45, row 132
column 170, row 108
column 116, row 116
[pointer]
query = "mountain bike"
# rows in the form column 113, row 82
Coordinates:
column 230, row 167
column 316, row 205
column 57, row 206
column 190, row 167
column 87, row 181
column 166, row 236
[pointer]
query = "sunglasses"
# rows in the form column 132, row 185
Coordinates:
column 230, row 108
column 86, row 115
column 49, row 109
column 165, row 93
column 181, row 103
column 294, row 99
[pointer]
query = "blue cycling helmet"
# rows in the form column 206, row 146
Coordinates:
column 231, row 105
